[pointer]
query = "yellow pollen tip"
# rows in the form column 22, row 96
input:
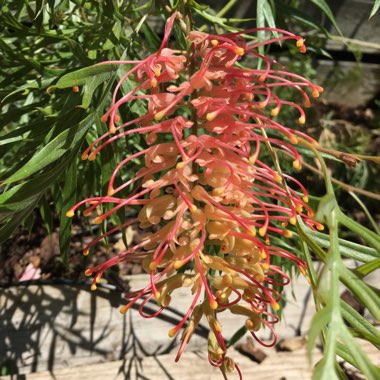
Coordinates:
column 88, row 272
column 297, row 165
column 315, row 94
column 112, row 129
column 277, row 178
column 239, row 51
column 275, row 306
column 110, row 192
column 70, row 213
column 305, row 198
column 159, row 115
column 302, row 271
column 265, row 266
column 298, row 208
column 307, row 103
column 211, row 116
column 300, row 42
column 214, row 42
column 172, row 332
column 180, row 165
column 218, row 191
column 157, row 295
column 87, row 212
column 288, row 234
column 293, row 220
column 262, row 231
column 177, row 264
column 153, row 82
column 262, row 104
column 263, row 254
column 152, row 266
column 104, row 118
column 124, row 309
column 252, row 232
column 93, row 287
column 84, row 156
column 193, row 209
column 293, row 139
column 97, row 220
column 262, row 78
column 213, row 305
column 75, row 89
column 117, row 118
column 86, row 252
column 275, row 111
column 92, row 156
column 320, row 227
column 302, row 120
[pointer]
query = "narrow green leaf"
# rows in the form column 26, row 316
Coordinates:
column 361, row 291
column 268, row 14
column 17, row 218
column 90, row 86
column 45, row 212
column 343, row 350
column 359, row 323
column 375, row 8
column 347, row 248
column 321, row 4
column 53, row 151
column 68, row 199
column 319, row 321
column 366, row 269
column 237, row 336
column 80, row 77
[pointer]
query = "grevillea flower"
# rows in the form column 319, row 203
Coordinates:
column 210, row 206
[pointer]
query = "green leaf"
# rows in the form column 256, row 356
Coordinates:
column 16, row 220
column 268, row 14
column 319, row 321
column 80, row 77
column 321, row 4
column 359, row 323
column 366, row 269
column 200, row 7
column 46, row 214
column 53, row 151
column 237, row 336
column 343, row 350
column 347, row 248
column 375, row 8
column 361, row 291
column 90, row 86
column 68, row 199
column 297, row 14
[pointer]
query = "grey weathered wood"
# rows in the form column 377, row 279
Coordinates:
column 56, row 327
column 45, row 327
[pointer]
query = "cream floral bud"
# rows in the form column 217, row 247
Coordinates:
column 155, row 209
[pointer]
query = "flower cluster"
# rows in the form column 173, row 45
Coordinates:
column 209, row 205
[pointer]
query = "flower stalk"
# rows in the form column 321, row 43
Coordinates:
column 209, row 203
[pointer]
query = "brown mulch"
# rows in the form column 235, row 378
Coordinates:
column 42, row 250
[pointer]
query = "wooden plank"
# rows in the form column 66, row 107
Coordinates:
column 194, row 365
column 53, row 327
